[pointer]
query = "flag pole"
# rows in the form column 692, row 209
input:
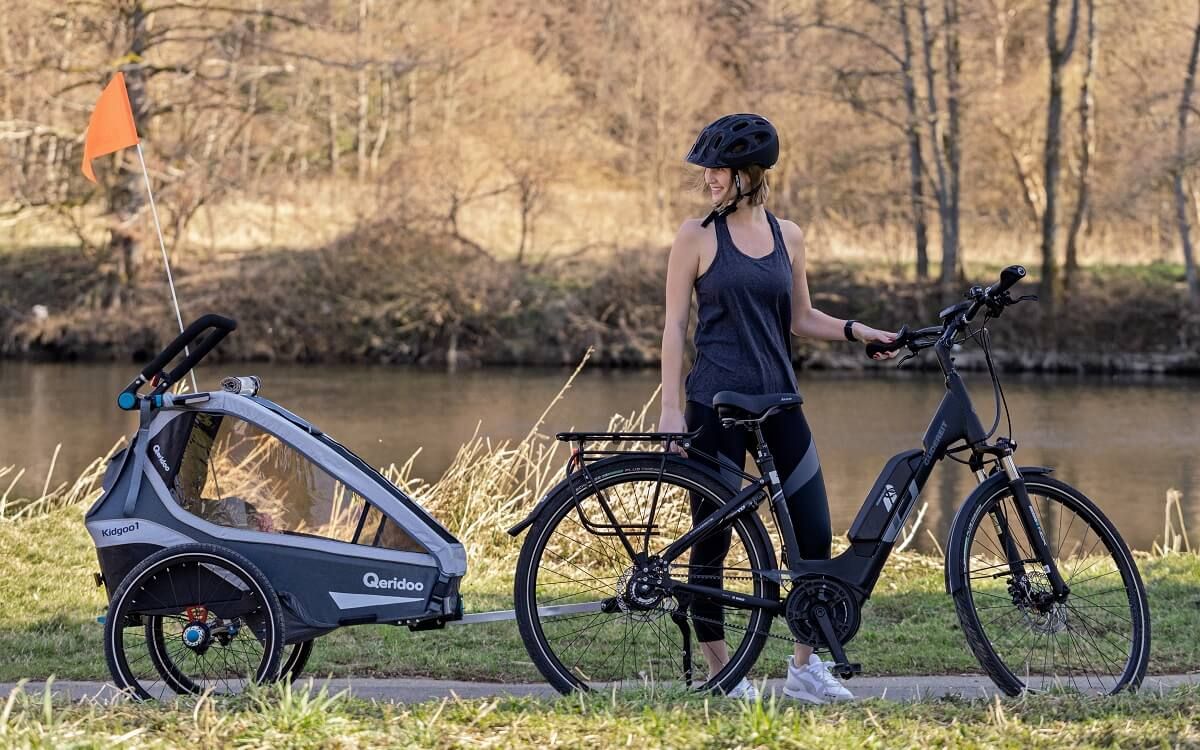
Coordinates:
column 163, row 246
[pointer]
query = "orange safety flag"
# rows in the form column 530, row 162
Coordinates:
column 111, row 127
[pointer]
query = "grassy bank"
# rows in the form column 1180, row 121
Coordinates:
column 50, row 628
column 388, row 294
column 300, row 718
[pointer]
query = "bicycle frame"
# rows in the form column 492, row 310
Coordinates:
column 883, row 514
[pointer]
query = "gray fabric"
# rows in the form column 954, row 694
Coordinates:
column 304, row 543
column 744, row 318
column 451, row 558
column 117, row 531
column 145, row 421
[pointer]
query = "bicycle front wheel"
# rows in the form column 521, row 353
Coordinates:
column 586, row 620
column 1096, row 641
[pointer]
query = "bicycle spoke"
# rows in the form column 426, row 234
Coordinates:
column 1085, row 642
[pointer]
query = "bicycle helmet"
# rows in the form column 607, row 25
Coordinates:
column 735, row 142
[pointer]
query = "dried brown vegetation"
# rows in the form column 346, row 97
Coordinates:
column 479, row 181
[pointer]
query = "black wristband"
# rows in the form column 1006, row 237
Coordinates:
column 849, row 330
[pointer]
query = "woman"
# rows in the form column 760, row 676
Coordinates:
column 747, row 269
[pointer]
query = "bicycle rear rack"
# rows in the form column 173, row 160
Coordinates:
column 582, row 455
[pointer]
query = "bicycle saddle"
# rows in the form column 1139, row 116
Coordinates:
column 730, row 405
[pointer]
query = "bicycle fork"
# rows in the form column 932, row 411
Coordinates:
column 1033, row 530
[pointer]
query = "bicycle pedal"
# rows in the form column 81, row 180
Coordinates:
column 846, row 671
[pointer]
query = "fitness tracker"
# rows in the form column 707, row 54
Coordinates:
column 849, row 330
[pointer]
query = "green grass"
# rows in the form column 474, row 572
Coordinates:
column 48, row 623
column 279, row 716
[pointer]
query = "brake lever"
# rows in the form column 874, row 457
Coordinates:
column 905, row 358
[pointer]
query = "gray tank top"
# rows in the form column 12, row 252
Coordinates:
column 743, row 333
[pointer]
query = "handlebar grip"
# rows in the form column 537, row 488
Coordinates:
column 1008, row 277
column 198, row 326
column 207, row 344
column 902, row 338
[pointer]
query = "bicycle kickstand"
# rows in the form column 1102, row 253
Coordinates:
column 681, row 619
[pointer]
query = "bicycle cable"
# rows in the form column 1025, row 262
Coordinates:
column 982, row 336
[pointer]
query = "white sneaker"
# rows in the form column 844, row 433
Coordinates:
column 813, row 683
column 744, row 690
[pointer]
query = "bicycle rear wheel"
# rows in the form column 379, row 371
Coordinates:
column 1097, row 641
column 625, row 638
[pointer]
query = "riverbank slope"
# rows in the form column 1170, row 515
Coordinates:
column 386, row 294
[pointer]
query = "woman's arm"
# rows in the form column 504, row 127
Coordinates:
column 682, row 267
column 809, row 322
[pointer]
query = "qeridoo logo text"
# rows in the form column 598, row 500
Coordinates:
column 120, row 530
column 161, row 461
column 373, row 581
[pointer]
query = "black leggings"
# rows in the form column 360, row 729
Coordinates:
column 790, row 440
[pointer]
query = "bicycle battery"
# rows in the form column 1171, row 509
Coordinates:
column 889, row 501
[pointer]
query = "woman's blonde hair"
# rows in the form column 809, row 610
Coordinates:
column 754, row 188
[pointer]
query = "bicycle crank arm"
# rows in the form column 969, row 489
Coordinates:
column 844, row 669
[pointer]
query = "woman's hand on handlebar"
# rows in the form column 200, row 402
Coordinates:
column 672, row 420
column 868, row 335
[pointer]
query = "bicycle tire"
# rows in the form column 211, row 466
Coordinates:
column 1067, row 617
column 748, row 529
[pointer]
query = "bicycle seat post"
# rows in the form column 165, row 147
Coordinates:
column 779, row 506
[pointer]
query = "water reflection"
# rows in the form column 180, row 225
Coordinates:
column 1124, row 442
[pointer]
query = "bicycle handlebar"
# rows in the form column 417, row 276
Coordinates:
column 221, row 327
column 995, row 296
column 902, row 339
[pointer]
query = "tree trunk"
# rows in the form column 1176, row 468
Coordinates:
column 385, row 117
column 951, row 245
column 937, row 145
column 126, row 197
column 1181, row 158
column 1087, row 147
column 1059, row 56
column 333, row 127
column 364, row 100
column 916, row 165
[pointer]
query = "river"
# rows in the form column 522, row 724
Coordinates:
column 1123, row 441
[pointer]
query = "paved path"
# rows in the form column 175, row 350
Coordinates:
column 409, row 690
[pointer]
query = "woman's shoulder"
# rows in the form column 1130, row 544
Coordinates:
column 693, row 228
column 693, row 234
column 793, row 235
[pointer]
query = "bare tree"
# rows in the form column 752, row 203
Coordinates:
column 1059, row 55
column 912, row 134
column 944, row 131
column 1180, row 167
column 1087, row 147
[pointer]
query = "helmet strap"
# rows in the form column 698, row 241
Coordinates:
column 726, row 210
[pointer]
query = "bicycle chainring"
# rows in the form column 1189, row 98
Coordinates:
column 812, row 591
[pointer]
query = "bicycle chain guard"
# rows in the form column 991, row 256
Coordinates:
column 812, row 592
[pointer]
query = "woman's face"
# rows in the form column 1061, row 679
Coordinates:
column 719, row 181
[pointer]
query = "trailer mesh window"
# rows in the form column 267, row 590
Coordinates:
column 233, row 473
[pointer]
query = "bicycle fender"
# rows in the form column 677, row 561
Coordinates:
column 600, row 467
column 978, row 495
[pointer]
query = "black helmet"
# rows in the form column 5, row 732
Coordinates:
column 736, row 141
